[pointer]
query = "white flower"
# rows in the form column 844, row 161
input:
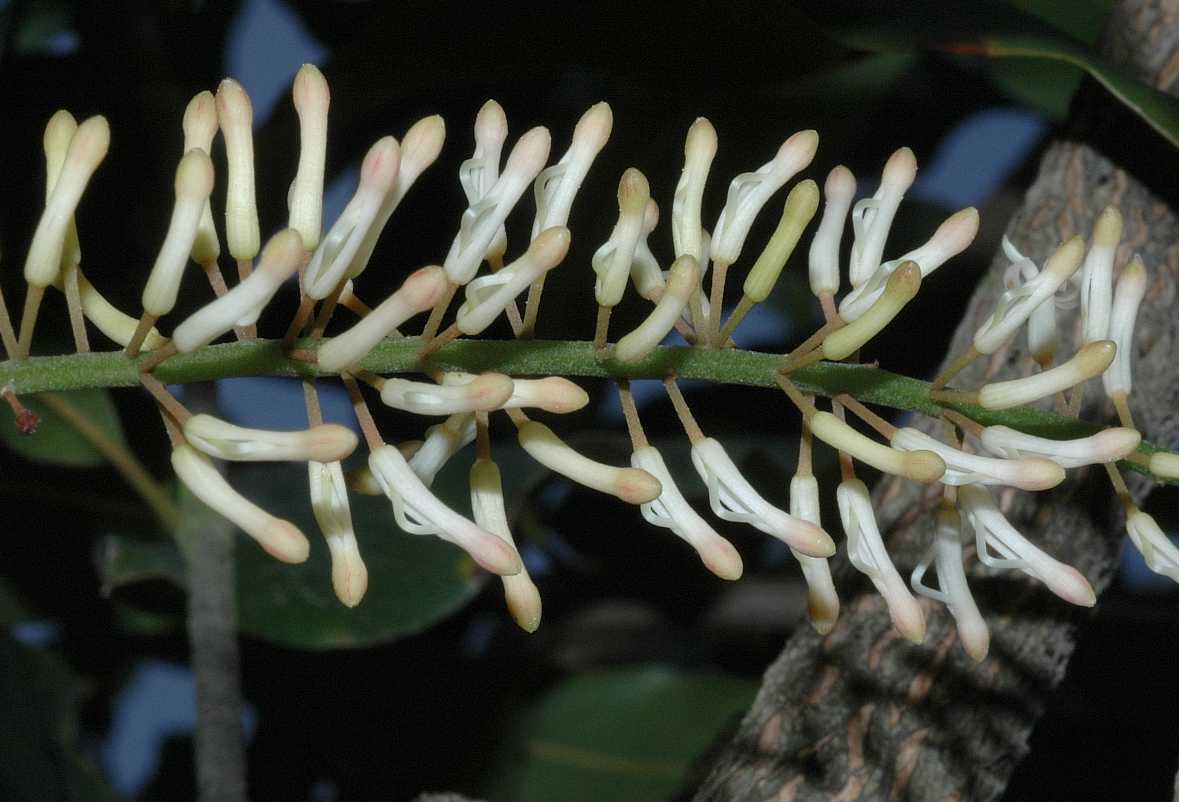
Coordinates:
column 872, row 217
column 326, row 442
column 962, row 468
column 487, row 502
column 194, row 183
column 672, row 511
column 953, row 591
column 1109, row 445
column 1131, row 289
column 734, row 499
column 1097, row 275
column 1157, row 550
column 482, row 220
column 281, row 539
column 478, row 174
column 645, row 272
column 486, row 392
column 235, row 114
column 488, row 296
column 686, row 228
column 612, row 262
column 1090, row 361
column 822, row 600
column 305, row 196
column 443, row 441
column 200, row 126
column 993, row 532
column 329, row 503
column 823, row 257
column 920, row 466
column 952, row 237
column 556, row 186
column 1042, row 338
column 419, row 512
column 749, row 192
column 683, row 280
column 1016, row 305
column 419, row 292
column 631, row 485
column 865, row 549
column 552, row 393
column 330, row 263
column 86, row 151
column 242, row 304
column 59, row 132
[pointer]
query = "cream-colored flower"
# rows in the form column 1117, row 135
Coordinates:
column 329, row 503
column 327, row 442
column 953, row 591
column 872, row 218
column 487, row 502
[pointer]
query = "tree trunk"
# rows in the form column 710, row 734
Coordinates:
column 863, row 714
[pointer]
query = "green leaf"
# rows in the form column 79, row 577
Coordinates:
column 39, row 699
column 986, row 29
column 625, row 734
column 126, row 560
column 56, row 441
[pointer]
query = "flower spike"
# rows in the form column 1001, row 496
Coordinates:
column 329, row 503
column 482, row 220
column 419, row 512
column 305, row 197
column 327, row 442
column 419, row 292
column 823, row 257
column 993, row 532
column 488, row 296
column 487, row 504
column 242, row 304
column 683, row 280
column 281, row 539
column 749, row 192
column 672, row 511
column 954, row 592
column 865, row 549
column 194, row 183
column 732, row 498
column 236, row 117
column 872, row 217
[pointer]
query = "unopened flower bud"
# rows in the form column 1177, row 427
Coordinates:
column 200, row 126
column 1090, row 361
column 1109, row 445
column 280, row 538
column 1026, row 473
column 749, row 192
column 419, row 292
column 686, row 228
column 557, row 186
column 488, row 296
column 823, row 258
column 245, row 301
column 235, row 114
column 305, row 196
column 487, row 505
column 682, row 281
column 87, row 148
column 329, row 503
column 645, row 272
column 552, row 394
column 1131, row 289
column 920, row 466
column 1159, row 553
column 194, row 183
column 327, row 442
column 117, row 325
column 902, row 287
column 1097, row 275
column 58, row 132
column 800, row 207
column 1164, row 464
column 631, row 485
column 822, row 600
column 478, row 174
column 487, row 392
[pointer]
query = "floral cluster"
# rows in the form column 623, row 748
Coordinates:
column 967, row 461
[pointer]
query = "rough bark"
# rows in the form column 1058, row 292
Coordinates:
column 864, row 715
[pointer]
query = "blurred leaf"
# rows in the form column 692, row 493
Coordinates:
column 38, row 730
column 1080, row 19
column 55, row 441
column 627, row 734
column 986, row 29
column 126, row 560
